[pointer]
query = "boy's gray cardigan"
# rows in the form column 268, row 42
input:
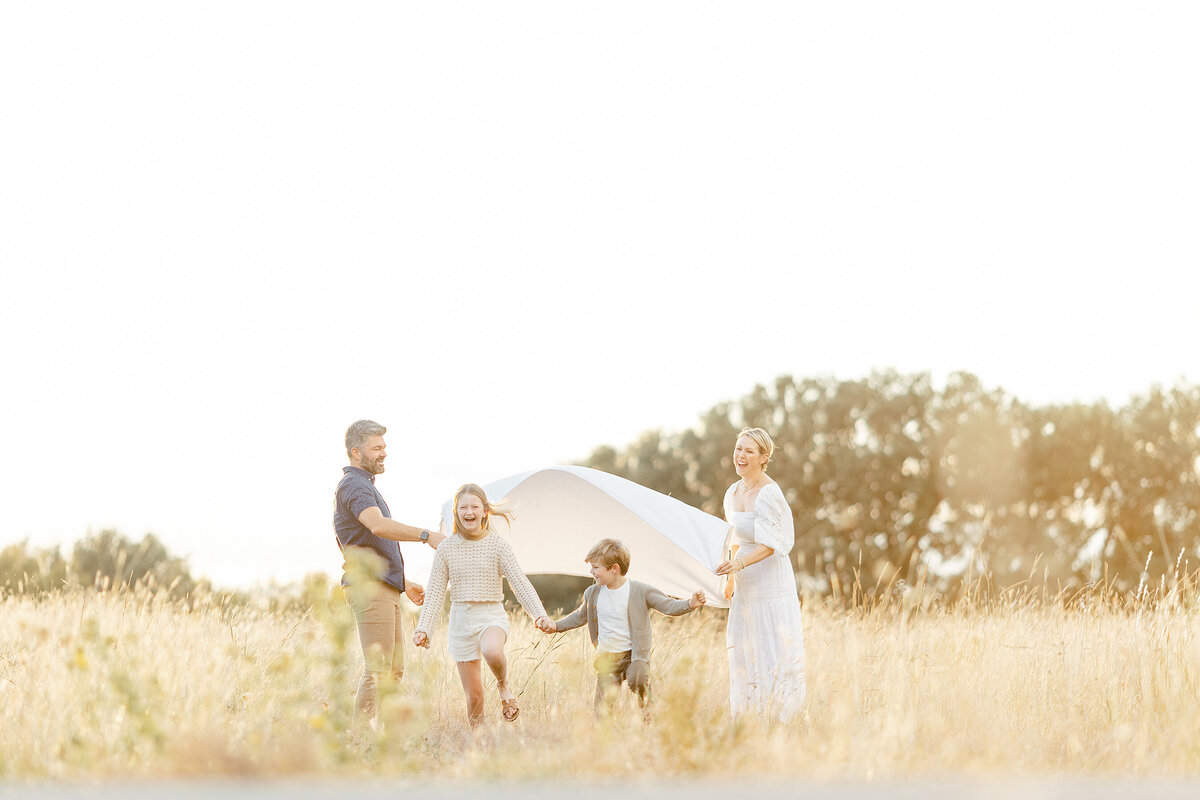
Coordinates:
column 642, row 597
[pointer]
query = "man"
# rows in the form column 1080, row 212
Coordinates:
column 374, row 568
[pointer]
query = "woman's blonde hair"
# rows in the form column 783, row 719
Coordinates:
column 500, row 509
column 761, row 438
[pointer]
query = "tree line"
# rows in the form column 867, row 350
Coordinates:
column 104, row 559
column 891, row 479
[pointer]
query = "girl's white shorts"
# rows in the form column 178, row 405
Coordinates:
column 467, row 622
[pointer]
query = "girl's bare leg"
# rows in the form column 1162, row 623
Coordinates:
column 491, row 644
column 472, row 683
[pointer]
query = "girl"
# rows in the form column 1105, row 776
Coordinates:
column 472, row 561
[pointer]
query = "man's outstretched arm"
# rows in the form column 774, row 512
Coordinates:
column 374, row 521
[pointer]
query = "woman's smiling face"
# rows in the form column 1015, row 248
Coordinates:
column 748, row 456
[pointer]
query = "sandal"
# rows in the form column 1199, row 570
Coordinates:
column 509, row 709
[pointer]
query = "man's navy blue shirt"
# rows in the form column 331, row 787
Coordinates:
column 355, row 494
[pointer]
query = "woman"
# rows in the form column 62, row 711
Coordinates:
column 764, row 635
column 473, row 561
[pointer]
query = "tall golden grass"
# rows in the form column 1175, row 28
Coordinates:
column 131, row 684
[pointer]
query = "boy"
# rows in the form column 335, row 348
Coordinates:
column 616, row 611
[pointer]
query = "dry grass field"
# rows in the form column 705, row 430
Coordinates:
column 129, row 685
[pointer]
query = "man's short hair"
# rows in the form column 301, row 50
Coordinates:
column 608, row 552
column 358, row 433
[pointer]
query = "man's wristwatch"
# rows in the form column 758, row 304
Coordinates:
column 425, row 536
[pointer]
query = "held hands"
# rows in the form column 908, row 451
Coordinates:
column 696, row 600
column 415, row 592
column 421, row 639
column 545, row 625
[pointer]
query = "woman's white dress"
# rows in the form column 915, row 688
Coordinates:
column 764, row 634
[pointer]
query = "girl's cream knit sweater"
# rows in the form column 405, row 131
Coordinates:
column 473, row 569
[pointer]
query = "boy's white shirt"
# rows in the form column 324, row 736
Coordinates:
column 612, row 619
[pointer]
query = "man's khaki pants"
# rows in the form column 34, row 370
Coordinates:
column 376, row 608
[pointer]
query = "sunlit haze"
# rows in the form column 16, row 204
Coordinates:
column 513, row 232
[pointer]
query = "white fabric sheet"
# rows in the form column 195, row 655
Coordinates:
column 562, row 511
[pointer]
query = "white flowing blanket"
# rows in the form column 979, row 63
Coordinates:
column 560, row 512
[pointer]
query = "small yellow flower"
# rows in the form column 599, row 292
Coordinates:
column 80, row 660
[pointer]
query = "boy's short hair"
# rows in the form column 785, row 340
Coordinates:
column 609, row 552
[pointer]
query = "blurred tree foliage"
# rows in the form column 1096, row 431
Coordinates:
column 891, row 479
column 103, row 560
column 560, row 594
column 26, row 570
column 888, row 479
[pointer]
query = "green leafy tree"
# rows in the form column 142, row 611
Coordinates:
column 24, row 570
column 890, row 479
column 108, row 559
column 1150, row 470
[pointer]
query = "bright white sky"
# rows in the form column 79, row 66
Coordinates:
column 514, row 231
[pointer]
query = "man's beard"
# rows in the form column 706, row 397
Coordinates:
column 374, row 467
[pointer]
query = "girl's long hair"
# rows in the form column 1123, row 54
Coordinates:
column 499, row 509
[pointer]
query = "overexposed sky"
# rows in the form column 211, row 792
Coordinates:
column 512, row 232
